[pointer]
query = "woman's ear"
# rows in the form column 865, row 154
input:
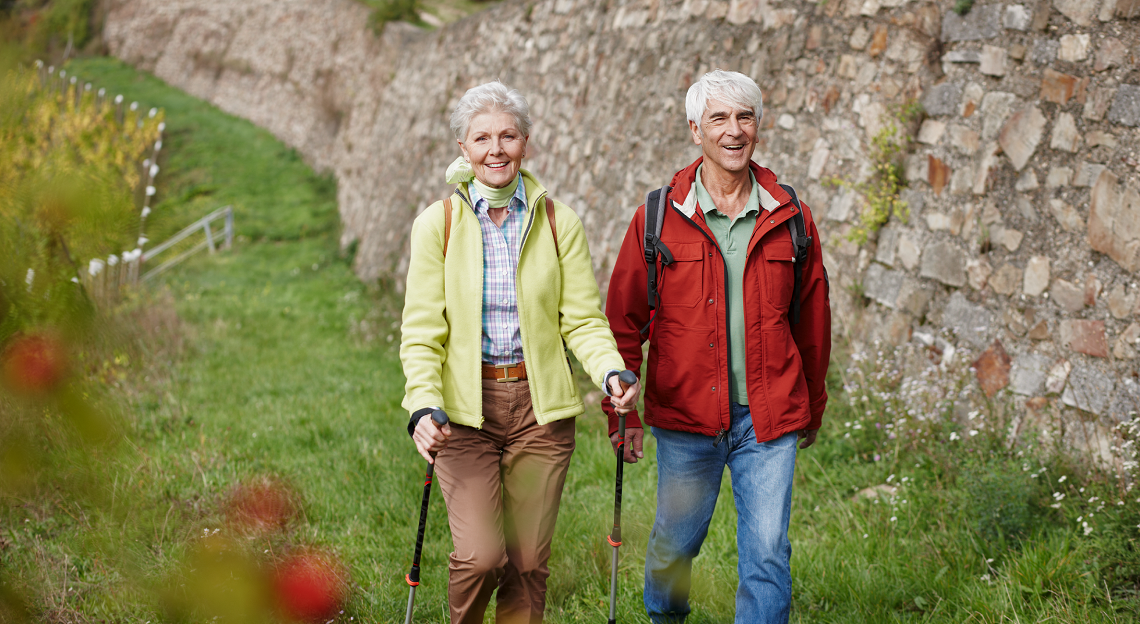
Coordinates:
column 463, row 148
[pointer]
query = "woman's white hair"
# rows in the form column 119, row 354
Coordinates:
column 491, row 97
column 733, row 88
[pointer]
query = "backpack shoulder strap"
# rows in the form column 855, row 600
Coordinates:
column 797, row 228
column 553, row 226
column 446, row 224
column 655, row 204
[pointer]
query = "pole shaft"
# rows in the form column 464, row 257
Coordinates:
column 615, row 535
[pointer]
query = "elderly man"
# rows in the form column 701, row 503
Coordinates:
column 739, row 341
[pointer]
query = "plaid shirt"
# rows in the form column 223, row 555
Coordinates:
column 502, row 341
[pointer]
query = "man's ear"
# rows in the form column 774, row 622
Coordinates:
column 696, row 132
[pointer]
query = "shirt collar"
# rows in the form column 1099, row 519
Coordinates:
column 705, row 200
column 480, row 205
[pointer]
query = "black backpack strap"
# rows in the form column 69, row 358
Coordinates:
column 655, row 204
column 797, row 227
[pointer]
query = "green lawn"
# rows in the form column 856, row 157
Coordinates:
column 289, row 367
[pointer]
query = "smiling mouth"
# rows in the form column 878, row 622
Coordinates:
column 496, row 165
column 734, row 148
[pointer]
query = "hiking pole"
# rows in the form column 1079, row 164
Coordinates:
column 626, row 379
column 439, row 417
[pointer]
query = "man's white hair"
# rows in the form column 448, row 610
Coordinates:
column 491, row 97
column 732, row 88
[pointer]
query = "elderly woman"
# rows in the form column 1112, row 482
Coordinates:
column 500, row 283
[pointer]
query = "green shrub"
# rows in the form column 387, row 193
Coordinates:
column 999, row 498
column 384, row 11
column 962, row 7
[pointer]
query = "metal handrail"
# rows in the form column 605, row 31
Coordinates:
column 201, row 224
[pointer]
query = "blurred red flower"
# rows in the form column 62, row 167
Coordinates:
column 34, row 364
column 261, row 505
column 309, row 587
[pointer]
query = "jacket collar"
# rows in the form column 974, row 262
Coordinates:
column 535, row 191
column 772, row 196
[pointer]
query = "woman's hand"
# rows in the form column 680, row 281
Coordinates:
column 429, row 438
column 623, row 400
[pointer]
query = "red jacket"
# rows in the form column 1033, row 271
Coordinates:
column 688, row 376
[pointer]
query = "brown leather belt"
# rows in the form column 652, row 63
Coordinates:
column 505, row 372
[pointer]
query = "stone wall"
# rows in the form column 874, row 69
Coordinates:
column 1024, row 229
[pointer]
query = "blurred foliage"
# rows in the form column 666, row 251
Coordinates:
column 384, row 11
column 59, row 28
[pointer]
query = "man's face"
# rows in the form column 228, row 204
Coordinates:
column 727, row 136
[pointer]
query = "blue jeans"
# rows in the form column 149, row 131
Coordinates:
column 689, row 470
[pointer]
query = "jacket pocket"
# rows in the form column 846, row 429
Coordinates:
column 683, row 282
column 779, row 272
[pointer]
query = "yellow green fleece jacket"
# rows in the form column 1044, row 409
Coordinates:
column 558, row 304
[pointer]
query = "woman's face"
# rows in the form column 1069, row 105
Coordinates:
column 495, row 148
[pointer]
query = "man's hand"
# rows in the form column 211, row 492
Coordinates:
column 624, row 401
column 808, row 437
column 429, row 438
column 633, row 437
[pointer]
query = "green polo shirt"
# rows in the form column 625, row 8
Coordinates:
column 733, row 235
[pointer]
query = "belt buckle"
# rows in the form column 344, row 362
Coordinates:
column 506, row 377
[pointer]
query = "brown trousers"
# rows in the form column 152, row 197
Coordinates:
column 503, row 484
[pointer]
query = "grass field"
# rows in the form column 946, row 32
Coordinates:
column 273, row 359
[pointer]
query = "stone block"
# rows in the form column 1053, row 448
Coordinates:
column 1126, row 106
column 945, row 262
column 978, row 271
column 996, row 107
column 1074, row 48
column 1021, row 134
column 964, row 139
column 1025, row 208
column 938, row 174
column 1089, row 389
column 962, row 180
column 885, row 248
column 1044, row 51
column 1097, row 103
column 1111, row 53
column 1080, row 12
column 992, row 368
column 878, row 41
column 1006, row 280
column 1036, row 278
column 931, row 131
column 915, row 200
column 1057, row 87
column 908, row 252
column 914, row 296
column 942, row 99
column 882, row 285
column 1127, row 9
column 1087, row 174
column 1114, row 221
column 842, row 204
column 1027, row 375
column 972, row 323
column 1097, row 138
column 1125, row 346
column 860, row 37
column 1016, row 17
column 1027, row 181
column 1067, row 216
column 971, row 98
column 993, row 61
column 1058, row 376
column 1125, row 401
column 1069, row 296
column 819, row 155
column 1120, row 303
column 988, row 163
column 1086, row 337
column 1065, row 137
column 786, row 121
column 983, row 22
column 1058, row 177
column 1011, row 239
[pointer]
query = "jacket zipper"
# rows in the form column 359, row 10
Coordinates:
column 727, row 335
